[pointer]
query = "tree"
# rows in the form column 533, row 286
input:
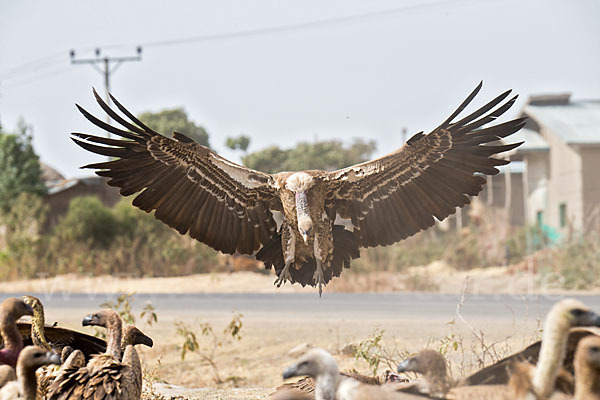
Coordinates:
column 327, row 155
column 238, row 143
column 20, row 170
column 172, row 120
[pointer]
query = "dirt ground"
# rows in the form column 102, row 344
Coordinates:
column 251, row 368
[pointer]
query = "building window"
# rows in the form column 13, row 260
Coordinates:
column 562, row 211
column 539, row 217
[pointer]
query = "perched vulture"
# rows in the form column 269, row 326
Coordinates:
column 54, row 338
column 308, row 225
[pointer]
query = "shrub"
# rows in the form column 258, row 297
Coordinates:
column 87, row 221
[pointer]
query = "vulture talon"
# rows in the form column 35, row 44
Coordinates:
column 284, row 276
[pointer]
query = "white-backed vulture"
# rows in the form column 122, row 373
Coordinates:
column 37, row 333
column 106, row 376
column 438, row 383
column 331, row 385
column 306, row 386
column 307, row 225
column 587, row 369
column 75, row 359
column 25, row 387
column 527, row 381
column 498, row 373
column 11, row 310
column 539, row 381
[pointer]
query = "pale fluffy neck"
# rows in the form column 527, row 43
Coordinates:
column 327, row 384
column 552, row 352
column 27, row 381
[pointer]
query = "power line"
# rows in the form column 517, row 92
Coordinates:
column 50, row 59
column 106, row 66
column 295, row 27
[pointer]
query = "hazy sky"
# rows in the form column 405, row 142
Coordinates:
column 286, row 71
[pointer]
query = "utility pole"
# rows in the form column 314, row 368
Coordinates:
column 106, row 66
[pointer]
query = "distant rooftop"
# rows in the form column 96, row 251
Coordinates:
column 575, row 122
column 533, row 140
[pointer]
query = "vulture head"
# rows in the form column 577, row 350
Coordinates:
column 133, row 336
column 104, row 318
column 33, row 357
column 587, row 355
column 424, row 362
column 15, row 308
column 570, row 313
column 316, row 362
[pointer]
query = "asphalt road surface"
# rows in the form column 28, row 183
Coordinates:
column 363, row 306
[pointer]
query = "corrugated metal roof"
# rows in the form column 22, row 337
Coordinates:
column 59, row 186
column 576, row 123
column 533, row 140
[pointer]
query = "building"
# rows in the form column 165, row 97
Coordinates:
column 561, row 157
column 61, row 191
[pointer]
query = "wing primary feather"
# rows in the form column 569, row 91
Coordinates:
column 463, row 105
column 104, row 125
column 102, row 150
column 116, row 116
column 149, row 131
column 476, row 114
column 103, row 140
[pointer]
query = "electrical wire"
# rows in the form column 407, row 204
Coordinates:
column 55, row 58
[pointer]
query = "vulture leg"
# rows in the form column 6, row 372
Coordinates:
column 288, row 243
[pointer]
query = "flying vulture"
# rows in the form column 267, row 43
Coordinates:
column 308, row 225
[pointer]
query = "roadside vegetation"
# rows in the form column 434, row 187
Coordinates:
column 92, row 238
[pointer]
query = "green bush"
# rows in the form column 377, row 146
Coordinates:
column 88, row 221
column 93, row 238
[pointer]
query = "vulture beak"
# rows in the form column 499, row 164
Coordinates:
column 146, row 340
column 305, row 236
column 289, row 372
column 404, row 365
column 53, row 358
column 589, row 318
column 87, row 320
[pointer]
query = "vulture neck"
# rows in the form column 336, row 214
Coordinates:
column 327, row 384
column 301, row 206
column 38, row 337
column 27, row 381
column 10, row 333
column 438, row 381
column 113, row 337
column 552, row 352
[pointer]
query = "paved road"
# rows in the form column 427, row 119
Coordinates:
column 342, row 305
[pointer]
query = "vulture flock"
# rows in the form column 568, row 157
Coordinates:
column 564, row 365
column 307, row 225
column 38, row 361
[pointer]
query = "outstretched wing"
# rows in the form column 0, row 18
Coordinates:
column 396, row 196
column 190, row 188
column 59, row 337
